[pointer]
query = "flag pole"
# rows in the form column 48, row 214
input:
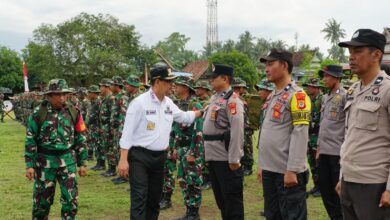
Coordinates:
column 25, row 78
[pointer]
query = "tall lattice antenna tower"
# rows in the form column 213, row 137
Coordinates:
column 212, row 22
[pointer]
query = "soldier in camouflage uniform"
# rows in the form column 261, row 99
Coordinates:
column 85, row 104
column 55, row 145
column 117, row 120
column 239, row 86
column 188, row 145
column 93, row 120
column 202, row 92
column 314, row 91
column 2, row 112
column 72, row 98
column 104, row 124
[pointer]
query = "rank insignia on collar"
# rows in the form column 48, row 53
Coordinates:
column 350, row 91
column 378, row 80
column 375, row 91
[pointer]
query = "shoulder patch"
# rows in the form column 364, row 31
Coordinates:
column 300, row 108
column 232, row 108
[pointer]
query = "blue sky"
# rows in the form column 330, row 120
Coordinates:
column 155, row 20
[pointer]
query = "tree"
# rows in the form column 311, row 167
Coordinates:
column 174, row 48
column 11, row 71
column 84, row 47
column 242, row 64
column 333, row 34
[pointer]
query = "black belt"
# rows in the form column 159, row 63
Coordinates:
column 53, row 152
column 152, row 152
column 213, row 137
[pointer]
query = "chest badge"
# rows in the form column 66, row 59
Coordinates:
column 375, row 91
column 150, row 126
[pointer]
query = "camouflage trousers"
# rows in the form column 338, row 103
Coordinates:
column 113, row 152
column 169, row 177
column 44, row 191
column 311, row 157
column 93, row 141
column 190, row 179
column 247, row 159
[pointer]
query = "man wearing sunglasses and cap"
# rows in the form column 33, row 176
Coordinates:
column 330, row 138
column 283, row 141
column 364, row 183
column 144, row 142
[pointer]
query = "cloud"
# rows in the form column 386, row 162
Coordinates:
column 155, row 20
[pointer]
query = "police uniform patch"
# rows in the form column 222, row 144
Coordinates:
column 276, row 115
column 301, row 104
column 233, row 108
column 375, row 91
column 285, row 96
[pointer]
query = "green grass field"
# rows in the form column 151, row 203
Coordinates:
column 98, row 197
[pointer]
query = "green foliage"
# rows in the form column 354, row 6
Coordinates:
column 243, row 67
column 11, row 69
column 174, row 48
column 333, row 33
column 84, row 47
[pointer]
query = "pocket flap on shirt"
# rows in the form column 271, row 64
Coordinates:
column 369, row 106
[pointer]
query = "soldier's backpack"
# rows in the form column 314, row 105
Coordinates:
column 42, row 113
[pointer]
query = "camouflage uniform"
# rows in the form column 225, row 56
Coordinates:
column 247, row 159
column 53, row 147
column 204, row 101
column 314, row 128
column 117, row 120
column 189, row 142
column 104, row 123
column 93, row 123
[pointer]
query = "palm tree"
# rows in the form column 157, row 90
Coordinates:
column 333, row 33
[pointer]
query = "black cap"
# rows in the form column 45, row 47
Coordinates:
column 219, row 69
column 365, row 38
column 386, row 67
column 278, row 54
column 162, row 72
column 333, row 70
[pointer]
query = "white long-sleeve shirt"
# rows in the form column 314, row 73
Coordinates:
column 148, row 122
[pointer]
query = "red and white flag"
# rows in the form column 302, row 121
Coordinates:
column 25, row 78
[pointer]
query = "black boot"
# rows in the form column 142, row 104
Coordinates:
column 248, row 171
column 120, row 180
column 100, row 165
column 194, row 214
column 191, row 214
column 165, row 202
column 110, row 172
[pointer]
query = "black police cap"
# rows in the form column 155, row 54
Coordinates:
column 278, row 54
column 366, row 38
column 219, row 69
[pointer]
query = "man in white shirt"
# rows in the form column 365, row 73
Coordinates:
column 145, row 140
